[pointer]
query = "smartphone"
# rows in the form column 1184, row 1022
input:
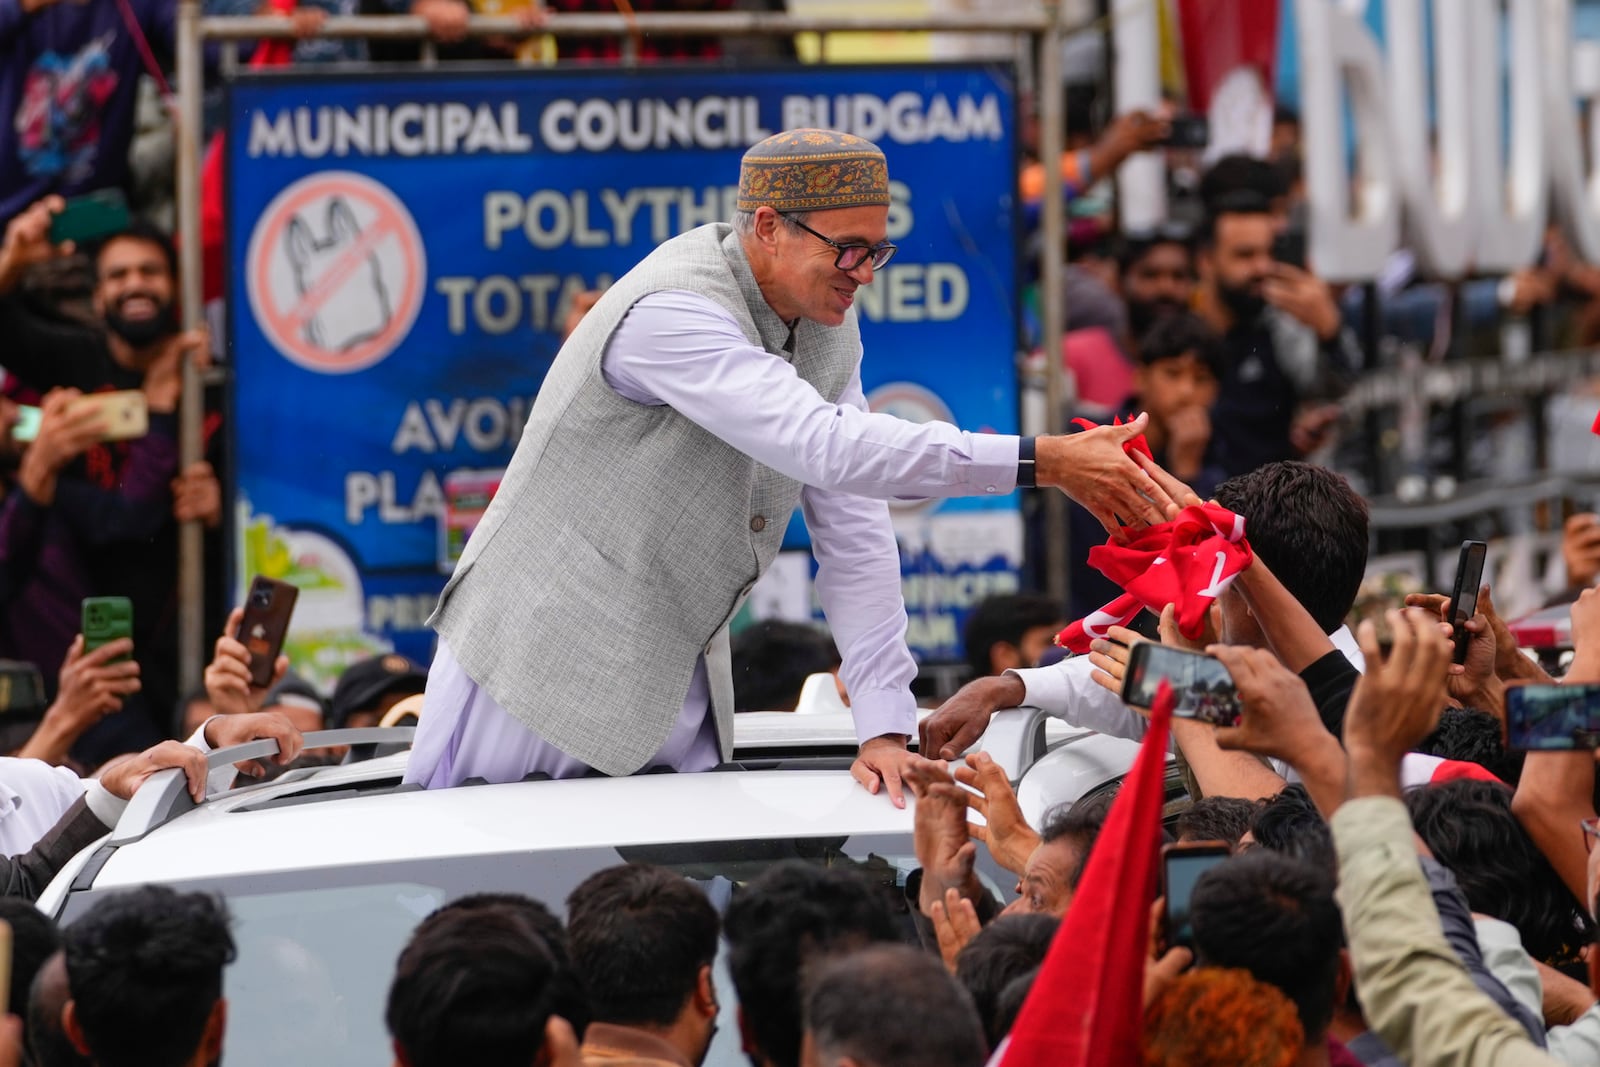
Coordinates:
column 125, row 413
column 1553, row 718
column 1290, row 247
column 106, row 618
column 26, row 427
column 1181, row 868
column 1188, row 131
column 264, row 625
column 91, row 217
column 1202, row 685
column 1464, row 593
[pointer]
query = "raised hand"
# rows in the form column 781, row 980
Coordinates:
column 960, row 721
column 1004, row 829
column 1395, row 705
column 227, row 676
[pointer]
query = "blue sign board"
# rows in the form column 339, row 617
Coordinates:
column 404, row 250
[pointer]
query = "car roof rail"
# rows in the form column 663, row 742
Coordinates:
column 1015, row 739
column 165, row 795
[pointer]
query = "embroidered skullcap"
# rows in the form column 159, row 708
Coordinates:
column 813, row 170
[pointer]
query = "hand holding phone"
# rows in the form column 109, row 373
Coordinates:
column 264, row 625
column 1464, row 594
column 1182, row 866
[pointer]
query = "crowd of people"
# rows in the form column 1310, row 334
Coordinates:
column 1399, row 887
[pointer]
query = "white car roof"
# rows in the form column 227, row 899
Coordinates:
column 226, row 837
column 344, row 816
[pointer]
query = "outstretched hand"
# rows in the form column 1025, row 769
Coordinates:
column 1092, row 468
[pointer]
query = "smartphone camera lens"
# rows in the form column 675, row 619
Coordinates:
column 261, row 598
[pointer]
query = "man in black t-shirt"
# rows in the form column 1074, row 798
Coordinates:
column 1284, row 342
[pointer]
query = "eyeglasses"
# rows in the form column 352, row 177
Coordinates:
column 1591, row 832
column 854, row 254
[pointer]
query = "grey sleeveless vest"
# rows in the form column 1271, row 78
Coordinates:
column 624, row 538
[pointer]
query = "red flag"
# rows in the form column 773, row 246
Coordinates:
column 1186, row 562
column 1220, row 36
column 1086, row 1008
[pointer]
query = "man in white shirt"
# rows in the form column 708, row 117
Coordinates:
column 712, row 390
column 1309, row 528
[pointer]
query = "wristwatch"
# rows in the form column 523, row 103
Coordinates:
column 1027, row 475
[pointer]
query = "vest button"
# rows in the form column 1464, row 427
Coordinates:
column 758, row 523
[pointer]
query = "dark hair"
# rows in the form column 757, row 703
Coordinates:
column 772, row 660
column 1468, row 826
column 472, row 986
column 1006, row 617
column 892, row 1006
column 1237, row 203
column 640, row 935
column 145, row 968
column 140, row 230
column 1174, row 336
column 1274, row 916
column 1079, row 823
column 1285, row 115
column 47, row 1040
column 1291, row 824
column 1135, row 247
column 1473, row 735
column 1011, row 946
column 1217, row 819
column 1009, row 1004
column 1310, row 528
column 1233, row 178
column 568, row 998
column 792, row 913
column 34, row 939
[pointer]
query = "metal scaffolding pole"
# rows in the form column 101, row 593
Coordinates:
column 1052, row 306
column 191, row 411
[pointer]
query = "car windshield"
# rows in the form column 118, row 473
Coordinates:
column 317, row 948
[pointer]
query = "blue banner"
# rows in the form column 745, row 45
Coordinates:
column 404, row 250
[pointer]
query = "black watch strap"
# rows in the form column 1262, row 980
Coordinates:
column 1027, row 477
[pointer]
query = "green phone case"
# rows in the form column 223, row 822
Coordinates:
column 90, row 217
column 106, row 618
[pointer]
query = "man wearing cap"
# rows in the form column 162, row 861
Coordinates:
column 370, row 687
column 710, row 391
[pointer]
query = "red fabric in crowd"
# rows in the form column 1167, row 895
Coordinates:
column 1086, row 1008
column 1186, row 562
column 1221, row 35
column 274, row 53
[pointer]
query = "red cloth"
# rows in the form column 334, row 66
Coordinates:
column 1186, row 562
column 1086, row 1008
column 1222, row 35
column 273, row 53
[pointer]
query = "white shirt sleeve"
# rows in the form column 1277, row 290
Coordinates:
column 686, row 351
column 1066, row 691
column 220, row 779
column 858, row 582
